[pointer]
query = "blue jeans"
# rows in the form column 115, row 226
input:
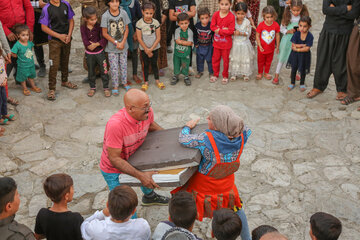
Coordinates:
column 245, row 233
column 112, row 180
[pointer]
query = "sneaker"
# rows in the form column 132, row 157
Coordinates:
column 174, row 80
column 187, row 81
column 37, row 67
column 41, row 72
column 169, row 49
column 154, row 199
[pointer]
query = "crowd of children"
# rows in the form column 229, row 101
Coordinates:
column 115, row 220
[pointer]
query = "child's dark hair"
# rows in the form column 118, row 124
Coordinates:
column 148, row 5
column 203, row 11
column 306, row 19
column 7, row 191
column 241, row 6
column 108, row 1
column 260, row 231
column 122, row 201
column 226, row 224
column 287, row 13
column 325, row 226
column 230, row 1
column 269, row 10
column 182, row 209
column 183, row 17
column 88, row 12
column 19, row 28
column 57, row 185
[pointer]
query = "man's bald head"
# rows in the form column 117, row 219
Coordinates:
column 135, row 97
column 273, row 236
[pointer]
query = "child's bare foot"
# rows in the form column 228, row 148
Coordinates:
column 259, row 76
column 267, row 76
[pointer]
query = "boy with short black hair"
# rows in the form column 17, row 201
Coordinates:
column 114, row 221
column 9, row 205
column 182, row 50
column 324, row 226
column 182, row 214
column 57, row 222
column 57, row 21
column 203, row 42
column 226, row 224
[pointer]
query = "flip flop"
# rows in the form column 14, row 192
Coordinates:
column 144, row 87
column 291, row 87
column 107, row 93
column 26, row 92
column 115, row 92
column 127, row 87
column 10, row 118
column 313, row 93
column 161, row 85
column 348, row 100
column 340, row 96
column 224, row 81
column 302, row 88
column 4, row 121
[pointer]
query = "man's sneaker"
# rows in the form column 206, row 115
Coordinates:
column 187, row 81
column 154, row 199
column 42, row 72
column 169, row 49
column 174, row 80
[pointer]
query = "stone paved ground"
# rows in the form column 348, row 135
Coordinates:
column 303, row 155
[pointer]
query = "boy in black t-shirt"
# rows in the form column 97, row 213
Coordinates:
column 57, row 222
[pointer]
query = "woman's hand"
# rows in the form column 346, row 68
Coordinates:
column 192, row 123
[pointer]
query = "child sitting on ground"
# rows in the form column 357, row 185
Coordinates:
column 182, row 215
column 182, row 50
column 57, row 21
column 226, row 224
column 114, row 221
column 94, row 50
column 324, row 226
column 22, row 50
column 148, row 35
column 9, row 205
column 57, row 222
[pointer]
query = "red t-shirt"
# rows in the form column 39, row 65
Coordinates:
column 268, row 36
column 123, row 131
column 223, row 39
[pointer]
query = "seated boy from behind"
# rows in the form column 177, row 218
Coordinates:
column 9, row 205
column 58, row 222
column 182, row 214
column 226, row 224
column 324, row 226
column 114, row 221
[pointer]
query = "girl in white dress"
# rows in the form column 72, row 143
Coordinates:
column 242, row 53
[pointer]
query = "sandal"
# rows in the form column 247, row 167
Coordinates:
column 259, row 76
column 213, row 79
column 302, row 88
column 26, row 92
column 51, row 95
column 13, row 101
column 69, row 85
column 246, row 78
column 340, row 96
column 291, row 87
column 267, row 76
column 4, row 121
column 224, row 81
column 36, row 89
column 9, row 117
column 275, row 81
column 127, row 86
column 91, row 92
column 160, row 85
column 115, row 92
column 107, row 92
column 144, row 87
column 2, row 130
column 313, row 93
column 137, row 79
column 199, row 74
column 348, row 100
column 233, row 79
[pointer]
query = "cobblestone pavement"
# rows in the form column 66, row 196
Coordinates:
column 303, row 155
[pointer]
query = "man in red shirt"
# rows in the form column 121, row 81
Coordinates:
column 124, row 133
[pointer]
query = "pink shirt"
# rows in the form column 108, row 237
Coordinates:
column 123, row 131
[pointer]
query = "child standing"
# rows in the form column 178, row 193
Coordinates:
column 223, row 26
column 22, row 50
column 203, row 42
column 57, row 222
column 148, row 35
column 241, row 66
column 114, row 221
column 115, row 29
column 288, row 27
column 57, row 21
column 324, row 226
column 300, row 56
column 267, row 33
column 3, row 99
column 94, row 50
column 247, row 14
column 182, row 50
